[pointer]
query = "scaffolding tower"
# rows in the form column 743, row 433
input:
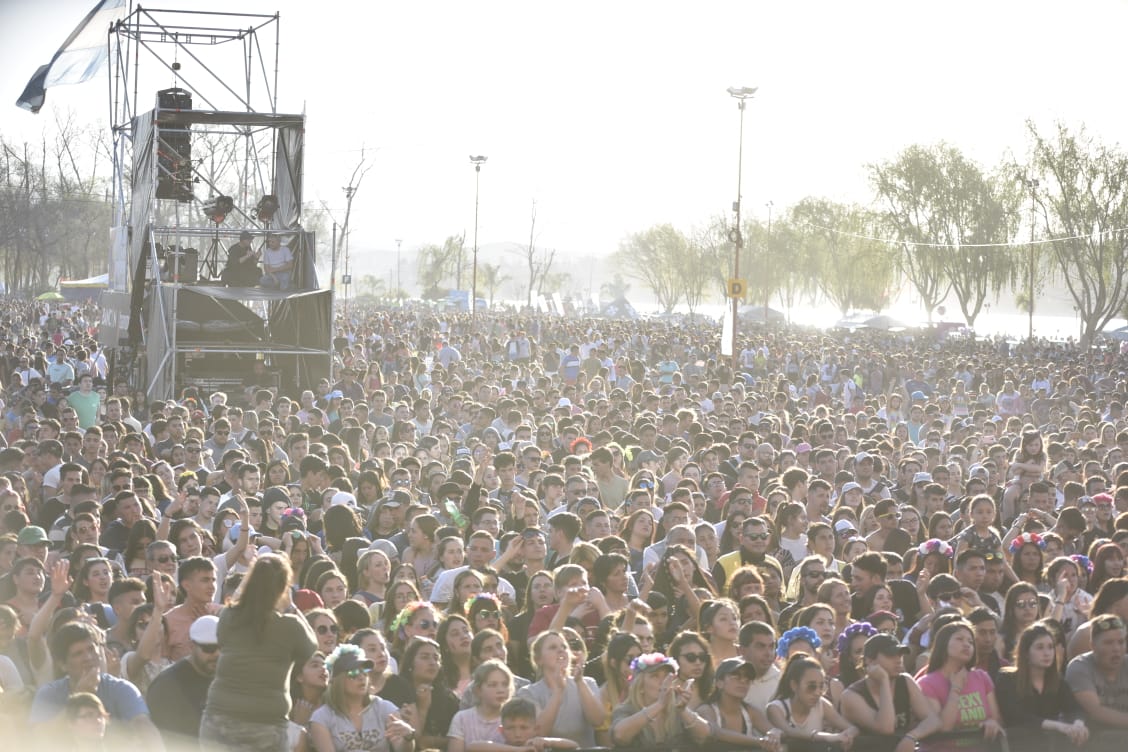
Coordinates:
column 210, row 160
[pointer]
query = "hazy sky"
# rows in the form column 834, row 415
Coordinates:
column 613, row 115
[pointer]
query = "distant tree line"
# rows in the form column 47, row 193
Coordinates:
column 938, row 221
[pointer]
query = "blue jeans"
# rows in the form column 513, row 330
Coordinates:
column 276, row 280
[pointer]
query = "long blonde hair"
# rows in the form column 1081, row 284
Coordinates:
column 669, row 727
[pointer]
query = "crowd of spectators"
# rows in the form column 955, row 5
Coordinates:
column 522, row 532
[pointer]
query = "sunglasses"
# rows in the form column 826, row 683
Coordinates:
column 489, row 614
column 192, row 450
column 1026, row 604
column 889, row 515
column 166, row 559
column 577, row 646
column 757, row 536
column 1104, row 625
column 354, row 673
column 427, row 624
column 645, row 485
column 815, row 686
column 324, row 629
column 693, row 657
column 209, row 649
column 815, row 575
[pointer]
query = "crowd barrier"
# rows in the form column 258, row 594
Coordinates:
column 1015, row 740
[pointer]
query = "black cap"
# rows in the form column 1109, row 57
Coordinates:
column 883, row 644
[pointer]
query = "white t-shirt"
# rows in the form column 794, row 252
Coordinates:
column 443, row 588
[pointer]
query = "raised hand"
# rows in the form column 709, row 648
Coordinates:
column 60, row 578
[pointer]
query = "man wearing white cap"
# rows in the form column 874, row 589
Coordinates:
column 176, row 697
column 864, row 465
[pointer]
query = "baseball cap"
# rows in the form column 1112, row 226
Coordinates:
column 883, row 644
column 345, row 660
column 843, row 525
column 922, row 478
column 342, row 498
column 803, row 448
column 734, row 666
column 850, row 486
column 205, row 630
column 32, row 535
column 861, row 457
column 398, row 498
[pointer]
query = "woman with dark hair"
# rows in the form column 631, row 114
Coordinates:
column 421, row 549
column 800, row 709
column 732, row 720
column 1027, row 558
column 695, row 663
column 885, row 700
column 399, row 595
column 719, row 623
column 485, row 611
column 1033, row 695
column 454, row 640
column 352, row 717
column 140, row 536
column 539, row 593
column 434, row 704
column 964, row 696
column 308, row 682
column 678, row 577
column 384, row 679
column 638, row 531
column 609, row 574
column 621, row 650
column 1108, row 563
column 1112, row 598
column 1021, row 608
column 341, row 523
column 728, row 541
column 277, row 474
column 248, row 701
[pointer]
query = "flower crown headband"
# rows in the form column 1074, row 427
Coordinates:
column 796, row 634
column 852, row 631
column 652, row 660
column 935, row 546
column 341, row 651
column 1021, row 540
column 406, row 613
column 1083, row 561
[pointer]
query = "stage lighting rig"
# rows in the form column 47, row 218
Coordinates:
column 216, row 209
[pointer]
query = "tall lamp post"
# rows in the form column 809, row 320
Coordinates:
column 1032, row 184
column 741, row 94
column 477, row 162
column 767, row 262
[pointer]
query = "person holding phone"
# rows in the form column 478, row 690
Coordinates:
column 657, row 707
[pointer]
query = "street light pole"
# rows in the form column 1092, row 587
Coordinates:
column 767, row 262
column 741, row 94
column 1032, row 184
column 399, row 281
column 477, row 162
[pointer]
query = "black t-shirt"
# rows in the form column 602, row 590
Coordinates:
column 176, row 700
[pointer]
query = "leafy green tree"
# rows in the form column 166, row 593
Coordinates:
column 1082, row 200
column 654, row 257
column 937, row 201
column 490, row 278
column 615, row 289
column 437, row 266
column 849, row 269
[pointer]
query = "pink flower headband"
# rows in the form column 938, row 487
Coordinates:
column 1021, row 540
column 935, row 546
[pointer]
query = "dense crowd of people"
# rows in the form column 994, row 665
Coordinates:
column 521, row 532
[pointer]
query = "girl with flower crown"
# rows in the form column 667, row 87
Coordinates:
column 1027, row 558
column 657, row 707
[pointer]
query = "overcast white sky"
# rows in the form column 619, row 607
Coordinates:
column 614, row 116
